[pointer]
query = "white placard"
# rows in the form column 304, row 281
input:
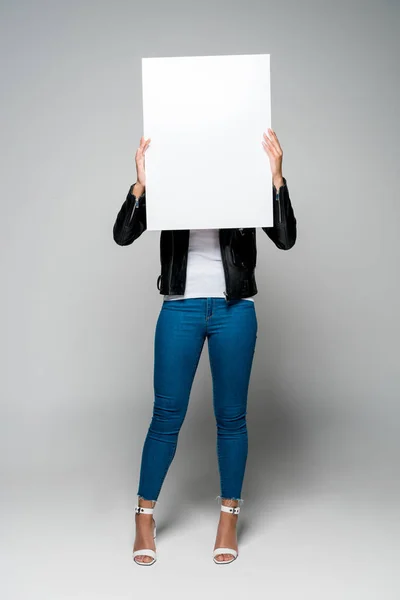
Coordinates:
column 206, row 166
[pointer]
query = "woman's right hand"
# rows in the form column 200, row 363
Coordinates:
column 140, row 163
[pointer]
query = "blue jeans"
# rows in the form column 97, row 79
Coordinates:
column 182, row 327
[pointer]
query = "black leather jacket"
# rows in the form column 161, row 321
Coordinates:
column 238, row 246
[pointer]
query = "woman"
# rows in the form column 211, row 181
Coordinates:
column 207, row 279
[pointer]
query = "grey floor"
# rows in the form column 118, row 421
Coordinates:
column 331, row 534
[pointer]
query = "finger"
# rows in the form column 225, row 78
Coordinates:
column 269, row 145
column 141, row 146
column 274, row 138
column 269, row 140
column 274, row 142
column 277, row 148
column 145, row 147
column 268, row 151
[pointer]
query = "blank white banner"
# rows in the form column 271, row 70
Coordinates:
column 206, row 166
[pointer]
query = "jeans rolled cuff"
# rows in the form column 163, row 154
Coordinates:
column 239, row 500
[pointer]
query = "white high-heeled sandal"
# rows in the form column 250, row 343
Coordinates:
column 145, row 551
column 233, row 510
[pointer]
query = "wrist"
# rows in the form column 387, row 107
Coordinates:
column 137, row 189
column 278, row 181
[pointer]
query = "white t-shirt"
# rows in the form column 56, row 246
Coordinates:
column 205, row 277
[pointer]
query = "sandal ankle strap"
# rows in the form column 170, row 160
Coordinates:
column 230, row 509
column 143, row 510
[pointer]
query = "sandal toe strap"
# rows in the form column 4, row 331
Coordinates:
column 145, row 552
column 225, row 551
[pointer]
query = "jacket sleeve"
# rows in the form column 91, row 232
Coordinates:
column 284, row 231
column 131, row 219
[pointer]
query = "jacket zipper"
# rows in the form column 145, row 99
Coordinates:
column 280, row 218
column 135, row 206
column 225, row 269
column 172, row 263
column 279, row 207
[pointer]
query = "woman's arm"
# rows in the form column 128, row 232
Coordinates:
column 284, row 230
column 131, row 219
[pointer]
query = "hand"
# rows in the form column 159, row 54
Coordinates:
column 275, row 154
column 139, row 158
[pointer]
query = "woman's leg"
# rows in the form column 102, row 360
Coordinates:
column 232, row 334
column 179, row 339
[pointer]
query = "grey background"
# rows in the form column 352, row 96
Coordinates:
column 321, row 494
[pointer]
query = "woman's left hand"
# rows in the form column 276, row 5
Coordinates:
column 275, row 154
